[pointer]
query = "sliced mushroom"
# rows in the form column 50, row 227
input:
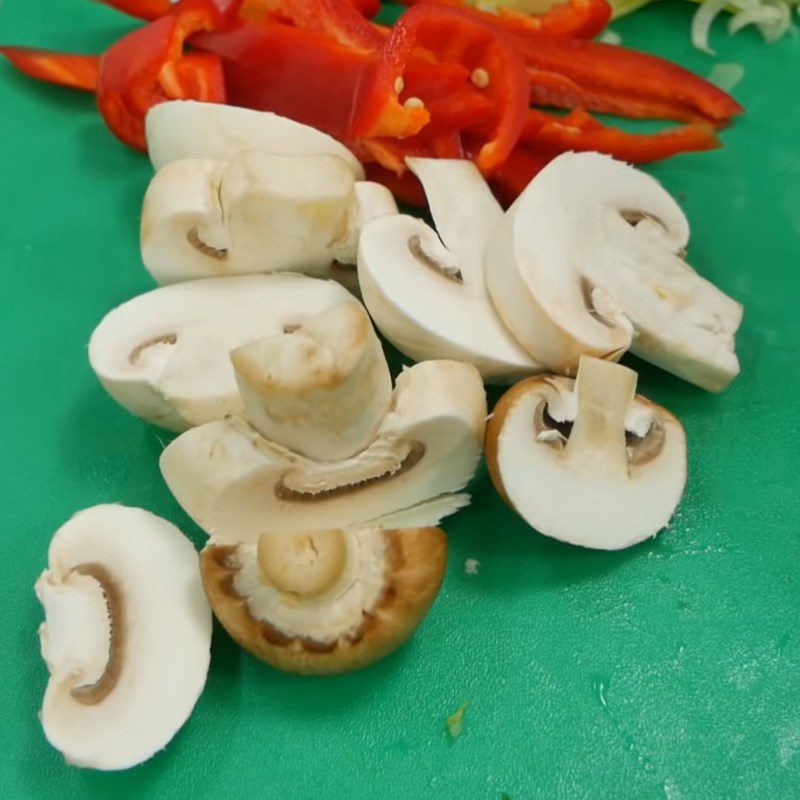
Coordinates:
column 189, row 129
column 589, row 260
column 126, row 636
column 164, row 354
column 427, row 293
column 329, row 601
column 323, row 389
column 258, row 212
column 235, row 483
column 587, row 461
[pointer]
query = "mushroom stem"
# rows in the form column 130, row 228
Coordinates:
column 604, row 392
column 304, row 564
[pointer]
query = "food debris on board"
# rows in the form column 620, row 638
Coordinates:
column 319, row 482
column 455, row 722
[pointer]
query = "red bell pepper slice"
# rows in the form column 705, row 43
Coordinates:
column 581, row 18
column 141, row 9
column 148, row 66
column 65, row 69
column 627, row 82
column 339, row 19
column 451, row 35
column 307, row 77
column 290, row 71
column 580, row 131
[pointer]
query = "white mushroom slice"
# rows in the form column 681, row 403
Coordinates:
column 234, row 483
column 587, row 461
column 326, row 601
column 165, row 354
column 259, row 212
column 189, row 129
column 126, row 636
column 589, row 260
column 427, row 294
column 321, row 390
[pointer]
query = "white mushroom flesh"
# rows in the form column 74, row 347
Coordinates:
column 426, row 292
column 189, row 129
column 321, row 390
column 234, row 482
column 586, row 461
column 258, row 212
column 315, row 585
column 126, row 637
column 589, row 260
column 165, row 354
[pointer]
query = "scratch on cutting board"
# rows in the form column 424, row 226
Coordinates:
column 788, row 745
column 601, row 684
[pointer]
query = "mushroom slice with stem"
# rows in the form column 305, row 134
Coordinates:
column 587, row 461
column 181, row 129
column 258, row 212
column 235, row 483
column 590, row 260
column 321, row 390
column 327, row 601
column 165, row 354
column 126, row 636
column 426, row 292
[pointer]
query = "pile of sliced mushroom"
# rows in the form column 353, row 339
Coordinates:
column 318, row 482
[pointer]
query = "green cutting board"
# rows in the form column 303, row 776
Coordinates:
column 671, row 670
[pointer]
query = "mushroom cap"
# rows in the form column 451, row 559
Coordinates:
column 164, row 354
column 588, row 260
column 233, row 482
column 190, row 129
column 329, row 601
column 126, row 636
column 615, row 482
column 258, row 212
column 321, row 390
column 426, row 292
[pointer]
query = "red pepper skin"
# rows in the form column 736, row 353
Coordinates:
column 580, row 131
column 305, row 76
column 64, row 69
column 293, row 72
column 625, row 81
column 580, row 18
column 141, row 9
column 148, row 66
column 451, row 35
column 338, row 19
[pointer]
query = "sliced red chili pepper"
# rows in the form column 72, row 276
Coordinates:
column 148, row 66
column 581, row 18
column 581, row 132
column 517, row 171
column 142, row 9
column 293, row 72
column 453, row 36
column 339, row 19
column 307, row 77
column 65, row 69
column 557, row 91
column 628, row 82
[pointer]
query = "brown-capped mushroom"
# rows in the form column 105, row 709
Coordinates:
column 326, row 601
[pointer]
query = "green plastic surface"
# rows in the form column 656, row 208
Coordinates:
column 668, row 671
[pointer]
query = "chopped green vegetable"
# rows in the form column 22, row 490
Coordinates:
column 505, row 796
column 455, row 722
